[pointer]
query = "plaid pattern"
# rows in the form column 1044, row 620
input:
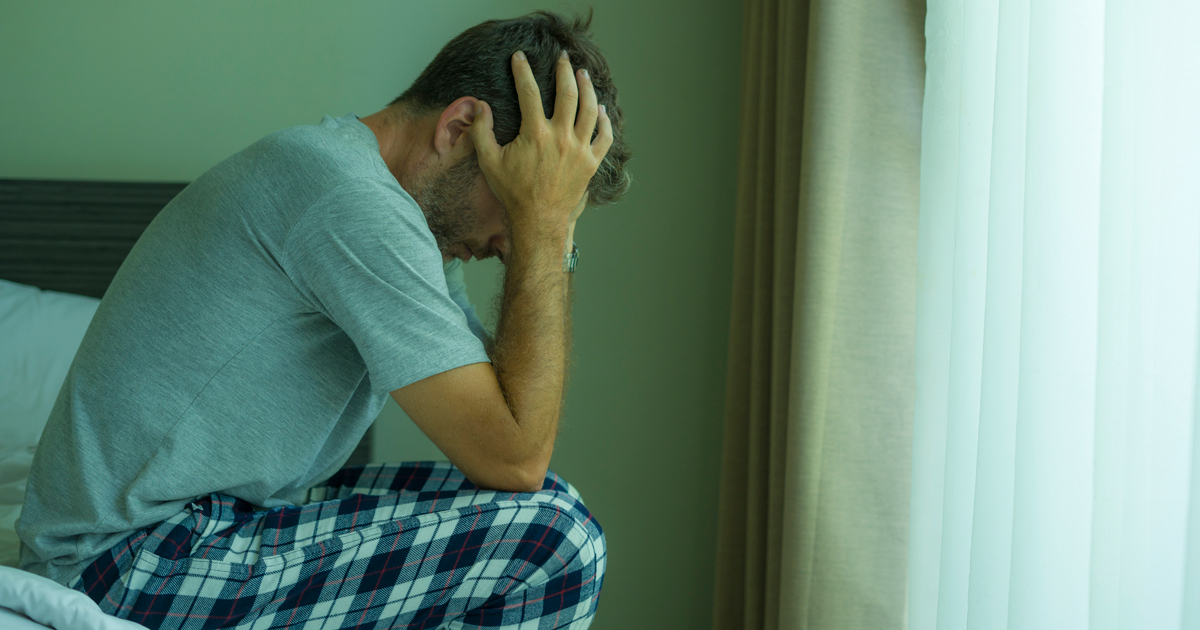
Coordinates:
column 380, row 546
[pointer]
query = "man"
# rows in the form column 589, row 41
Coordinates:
column 189, row 473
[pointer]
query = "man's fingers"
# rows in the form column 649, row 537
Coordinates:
column 585, row 123
column 528, row 94
column 567, row 98
column 482, row 135
column 604, row 138
column 539, row 172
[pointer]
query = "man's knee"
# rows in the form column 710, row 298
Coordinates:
column 582, row 534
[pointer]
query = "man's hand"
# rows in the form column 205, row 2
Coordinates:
column 542, row 175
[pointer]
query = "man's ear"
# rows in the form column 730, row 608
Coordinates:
column 450, row 138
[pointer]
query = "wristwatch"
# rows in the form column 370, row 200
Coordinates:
column 569, row 260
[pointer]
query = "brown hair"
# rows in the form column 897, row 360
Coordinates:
column 478, row 63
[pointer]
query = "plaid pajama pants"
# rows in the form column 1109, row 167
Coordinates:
column 380, row 546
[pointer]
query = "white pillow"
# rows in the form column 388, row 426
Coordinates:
column 49, row 603
column 40, row 332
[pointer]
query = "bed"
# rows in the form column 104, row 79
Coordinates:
column 61, row 243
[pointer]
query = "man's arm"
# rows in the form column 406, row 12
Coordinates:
column 497, row 423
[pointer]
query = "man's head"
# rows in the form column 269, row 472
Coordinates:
column 477, row 64
column 465, row 219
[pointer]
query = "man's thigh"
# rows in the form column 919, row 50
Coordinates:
column 414, row 545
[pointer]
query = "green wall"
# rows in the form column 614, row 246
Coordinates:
column 164, row 90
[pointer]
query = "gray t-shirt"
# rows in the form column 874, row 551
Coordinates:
column 248, row 341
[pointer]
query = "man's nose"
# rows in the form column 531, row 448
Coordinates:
column 499, row 244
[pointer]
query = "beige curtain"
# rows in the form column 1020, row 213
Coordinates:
column 815, row 478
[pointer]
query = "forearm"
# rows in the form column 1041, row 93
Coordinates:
column 532, row 345
column 538, row 176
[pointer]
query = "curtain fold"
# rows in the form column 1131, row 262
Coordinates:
column 1056, row 482
column 814, row 494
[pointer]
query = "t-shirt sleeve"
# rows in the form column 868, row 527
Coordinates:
column 456, row 283
column 363, row 255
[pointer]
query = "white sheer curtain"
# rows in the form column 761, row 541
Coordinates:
column 1056, row 459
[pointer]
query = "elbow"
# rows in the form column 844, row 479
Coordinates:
column 531, row 486
column 529, row 477
column 510, row 481
column 510, row 461
column 523, row 476
column 520, row 468
column 535, row 479
column 532, row 471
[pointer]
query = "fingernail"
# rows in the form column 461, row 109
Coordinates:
column 585, row 75
column 604, row 110
column 564, row 55
column 520, row 55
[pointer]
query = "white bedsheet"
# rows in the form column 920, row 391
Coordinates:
column 52, row 605
column 10, row 620
column 14, row 469
column 10, row 546
column 32, row 602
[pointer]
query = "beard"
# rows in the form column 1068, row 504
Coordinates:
column 446, row 199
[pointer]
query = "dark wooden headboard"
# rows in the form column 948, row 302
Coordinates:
column 72, row 236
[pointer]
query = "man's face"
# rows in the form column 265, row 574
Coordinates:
column 463, row 215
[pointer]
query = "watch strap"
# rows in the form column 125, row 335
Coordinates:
column 569, row 260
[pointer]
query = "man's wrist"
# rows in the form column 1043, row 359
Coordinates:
column 569, row 245
column 536, row 242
